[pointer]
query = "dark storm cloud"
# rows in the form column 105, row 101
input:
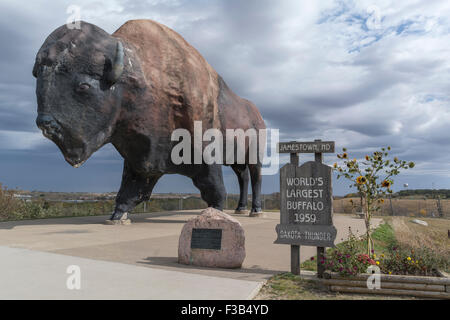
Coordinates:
column 314, row 69
column 16, row 54
column 299, row 123
column 365, row 91
column 15, row 107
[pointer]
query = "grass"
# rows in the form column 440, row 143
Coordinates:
column 401, row 230
column 394, row 230
column 433, row 237
column 383, row 237
column 419, row 207
column 287, row 286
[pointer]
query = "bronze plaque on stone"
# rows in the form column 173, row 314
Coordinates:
column 206, row 239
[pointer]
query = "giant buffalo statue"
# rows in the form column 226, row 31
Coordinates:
column 133, row 89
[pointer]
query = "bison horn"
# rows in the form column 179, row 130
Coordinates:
column 117, row 65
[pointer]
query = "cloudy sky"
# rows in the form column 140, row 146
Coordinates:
column 365, row 74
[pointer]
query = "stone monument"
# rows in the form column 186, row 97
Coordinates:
column 212, row 239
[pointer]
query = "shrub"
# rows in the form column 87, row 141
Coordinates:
column 9, row 206
column 408, row 261
column 32, row 210
column 347, row 258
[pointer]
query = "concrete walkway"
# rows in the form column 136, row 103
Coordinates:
column 136, row 261
column 27, row 274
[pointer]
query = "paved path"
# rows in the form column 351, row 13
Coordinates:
column 27, row 274
column 139, row 260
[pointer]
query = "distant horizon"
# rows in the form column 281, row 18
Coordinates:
column 198, row 193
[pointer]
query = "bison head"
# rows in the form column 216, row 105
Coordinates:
column 78, row 93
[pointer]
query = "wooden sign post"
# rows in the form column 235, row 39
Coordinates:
column 306, row 209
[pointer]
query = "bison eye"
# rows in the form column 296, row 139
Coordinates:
column 83, row 86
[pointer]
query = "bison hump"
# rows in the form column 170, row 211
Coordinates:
column 183, row 84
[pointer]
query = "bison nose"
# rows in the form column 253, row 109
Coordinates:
column 47, row 124
column 45, row 121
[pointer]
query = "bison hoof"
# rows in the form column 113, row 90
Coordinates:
column 256, row 212
column 118, row 222
column 118, row 219
column 241, row 210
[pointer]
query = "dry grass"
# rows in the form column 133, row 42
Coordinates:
column 434, row 236
column 401, row 207
column 290, row 287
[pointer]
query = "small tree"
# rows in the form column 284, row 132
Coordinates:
column 373, row 178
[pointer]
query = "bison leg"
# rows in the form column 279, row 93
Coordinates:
column 133, row 190
column 210, row 183
column 255, row 176
column 242, row 175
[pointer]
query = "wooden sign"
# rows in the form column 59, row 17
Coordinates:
column 306, row 208
column 306, row 147
column 306, row 205
column 307, row 194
